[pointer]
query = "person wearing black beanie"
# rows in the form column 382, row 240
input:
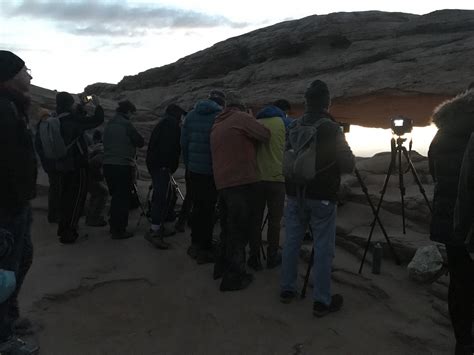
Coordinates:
column 17, row 187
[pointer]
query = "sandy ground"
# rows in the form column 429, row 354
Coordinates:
column 104, row 296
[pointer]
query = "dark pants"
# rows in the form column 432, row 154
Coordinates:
column 97, row 200
column 161, row 199
column 54, row 197
column 204, row 197
column 237, row 216
column 185, row 212
column 73, row 198
column 18, row 222
column 120, row 181
column 461, row 293
column 271, row 195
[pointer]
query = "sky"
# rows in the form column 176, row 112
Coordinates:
column 71, row 44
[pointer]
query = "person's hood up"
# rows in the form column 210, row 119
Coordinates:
column 206, row 107
column 273, row 111
column 456, row 114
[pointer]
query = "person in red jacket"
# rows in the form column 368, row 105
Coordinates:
column 234, row 138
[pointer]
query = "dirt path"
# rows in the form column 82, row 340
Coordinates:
column 103, row 296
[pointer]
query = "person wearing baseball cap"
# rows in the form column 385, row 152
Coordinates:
column 17, row 187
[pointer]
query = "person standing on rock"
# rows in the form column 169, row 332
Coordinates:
column 455, row 121
column 162, row 160
column 18, row 175
column 234, row 139
column 74, row 166
column 271, row 187
column 315, row 204
column 121, row 139
column 195, row 143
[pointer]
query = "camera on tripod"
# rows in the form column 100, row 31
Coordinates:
column 401, row 125
column 345, row 127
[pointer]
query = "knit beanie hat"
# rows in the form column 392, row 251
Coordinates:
column 64, row 101
column 317, row 95
column 218, row 97
column 10, row 65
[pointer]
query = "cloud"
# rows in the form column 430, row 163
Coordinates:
column 106, row 18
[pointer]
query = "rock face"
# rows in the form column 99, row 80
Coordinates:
column 376, row 64
column 426, row 264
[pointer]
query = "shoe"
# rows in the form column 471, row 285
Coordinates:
column 287, row 296
column 193, row 251
column 122, row 235
column 23, row 326
column 68, row 238
column 205, row 257
column 273, row 260
column 320, row 309
column 16, row 346
column 99, row 222
column 156, row 240
column 235, row 282
column 255, row 263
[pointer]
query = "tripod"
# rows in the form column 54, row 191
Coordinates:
column 397, row 149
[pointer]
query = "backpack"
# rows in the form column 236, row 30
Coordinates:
column 299, row 158
column 51, row 139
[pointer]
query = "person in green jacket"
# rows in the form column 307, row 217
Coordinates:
column 121, row 139
column 271, row 188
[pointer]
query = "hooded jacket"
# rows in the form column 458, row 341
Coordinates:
column 234, row 138
column 121, row 140
column 270, row 155
column 455, row 121
column 332, row 152
column 163, row 148
column 195, row 136
column 18, row 163
column 464, row 210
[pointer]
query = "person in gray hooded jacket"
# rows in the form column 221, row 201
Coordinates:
column 120, row 142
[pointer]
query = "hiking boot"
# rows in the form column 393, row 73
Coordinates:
column 121, row 235
column 255, row 263
column 205, row 257
column 96, row 222
column 287, row 296
column 16, row 346
column 23, row 326
column 273, row 260
column 156, row 240
column 193, row 251
column 68, row 238
column 235, row 282
column 320, row 309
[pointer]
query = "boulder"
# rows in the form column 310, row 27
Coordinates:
column 426, row 264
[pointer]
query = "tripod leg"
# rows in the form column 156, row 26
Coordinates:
column 261, row 230
column 379, row 205
column 402, row 186
column 372, row 207
column 308, row 272
column 417, row 178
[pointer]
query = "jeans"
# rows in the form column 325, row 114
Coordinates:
column 461, row 292
column 204, row 197
column 73, row 199
column 120, row 181
column 161, row 199
column 271, row 195
column 321, row 216
column 237, row 216
column 18, row 222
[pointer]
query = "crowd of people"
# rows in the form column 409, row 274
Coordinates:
column 242, row 170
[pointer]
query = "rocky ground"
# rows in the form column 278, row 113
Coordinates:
column 102, row 296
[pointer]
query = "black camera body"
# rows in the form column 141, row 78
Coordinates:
column 345, row 127
column 401, row 125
